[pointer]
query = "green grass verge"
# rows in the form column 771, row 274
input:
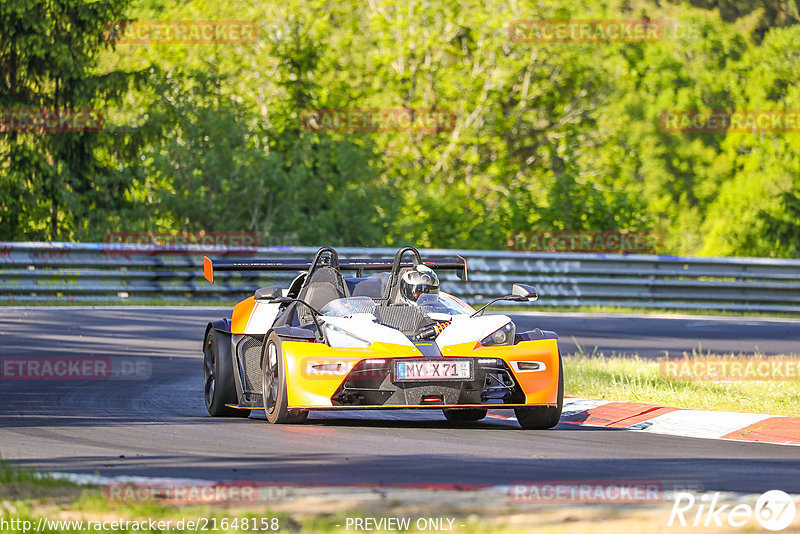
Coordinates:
column 636, row 379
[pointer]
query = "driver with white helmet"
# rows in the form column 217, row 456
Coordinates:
column 421, row 280
column 418, row 280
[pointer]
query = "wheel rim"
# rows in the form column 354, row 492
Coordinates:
column 209, row 372
column 271, row 378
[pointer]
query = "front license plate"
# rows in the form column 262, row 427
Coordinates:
column 433, row 370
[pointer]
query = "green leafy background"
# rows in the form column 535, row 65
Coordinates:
column 548, row 136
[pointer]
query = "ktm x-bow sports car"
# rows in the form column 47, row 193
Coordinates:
column 384, row 338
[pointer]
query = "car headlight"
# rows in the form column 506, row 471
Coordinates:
column 501, row 336
column 338, row 337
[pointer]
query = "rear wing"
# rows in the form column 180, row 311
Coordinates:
column 457, row 264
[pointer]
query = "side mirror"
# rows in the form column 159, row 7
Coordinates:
column 524, row 293
column 519, row 293
column 270, row 293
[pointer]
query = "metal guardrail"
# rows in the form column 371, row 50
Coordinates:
column 129, row 273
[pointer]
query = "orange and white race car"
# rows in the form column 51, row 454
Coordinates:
column 386, row 338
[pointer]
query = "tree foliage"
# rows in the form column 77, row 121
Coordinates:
column 54, row 183
column 547, row 136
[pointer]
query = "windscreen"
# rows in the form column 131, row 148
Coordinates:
column 443, row 303
column 349, row 306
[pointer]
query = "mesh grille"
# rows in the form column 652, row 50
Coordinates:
column 326, row 284
column 250, row 356
column 328, row 275
column 404, row 318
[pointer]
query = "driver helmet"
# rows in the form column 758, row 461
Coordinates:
column 418, row 280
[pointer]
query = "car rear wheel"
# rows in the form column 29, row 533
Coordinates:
column 218, row 385
column 543, row 417
column 273, row 385
column 461, row 415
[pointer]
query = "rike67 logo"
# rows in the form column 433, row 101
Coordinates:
column 774, row 510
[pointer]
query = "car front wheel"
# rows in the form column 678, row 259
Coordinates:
column 543, row 417
column 273, row 385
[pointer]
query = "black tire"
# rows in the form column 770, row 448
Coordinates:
column 464, row 415
column 218, row 386
column 273, row 384
column 299, row 416
column 543, row 417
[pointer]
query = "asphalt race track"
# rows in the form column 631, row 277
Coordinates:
column 158, row 426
